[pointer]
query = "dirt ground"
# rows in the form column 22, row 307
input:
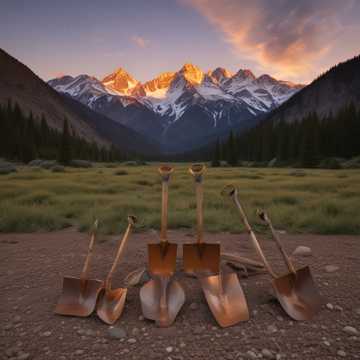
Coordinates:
column 32, row 267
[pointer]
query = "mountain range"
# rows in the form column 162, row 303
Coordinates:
column 183, row 109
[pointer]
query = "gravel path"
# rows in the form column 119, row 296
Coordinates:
column 32, row 267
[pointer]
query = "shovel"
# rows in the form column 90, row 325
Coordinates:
column 200, row 257
column 295, row 291
column 162, row 298
column 223, row 292
column 111, row 302
column 79, row 295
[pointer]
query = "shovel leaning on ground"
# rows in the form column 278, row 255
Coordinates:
column 162, row 297
column 79, row 295
column 111, row 301
column 223, row 292
column 295, row 291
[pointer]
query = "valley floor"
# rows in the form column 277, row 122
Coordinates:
column 32, row 267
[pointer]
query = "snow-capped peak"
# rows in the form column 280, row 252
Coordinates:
column 120, row 81
column 219, row 75
column 192, row 73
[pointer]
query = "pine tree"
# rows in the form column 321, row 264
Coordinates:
column 231, row 150
column 216, row 156
column 64, row 156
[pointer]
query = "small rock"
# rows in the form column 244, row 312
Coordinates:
column 330, row 306
column 251, row 355
column 23, row 356
column 194, row 306
column 169, row 349
column 198, row 329
column 79, row 352
column 132, row 341
column 350, row 330
column 326, row 343
column 302, row 251
column 90, row 332
column 116, row 332
column 338, row 308
column 341, row 353
column 17, row 319
column 266, row 353
column 141, row 318
column 331, row 268
column 272, row 329
column 46, row 333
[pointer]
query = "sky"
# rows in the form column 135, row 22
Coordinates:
column 293, row 40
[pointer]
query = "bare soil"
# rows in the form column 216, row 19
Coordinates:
column 32, row 267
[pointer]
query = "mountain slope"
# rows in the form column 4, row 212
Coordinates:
column 333, row 90
column 20, row 84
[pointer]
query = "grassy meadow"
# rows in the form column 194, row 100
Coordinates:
column 316, row 201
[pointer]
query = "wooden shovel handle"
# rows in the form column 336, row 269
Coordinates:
column 131, row 221
column 197, row 171
column 165, row 172
column 85, row 270
column 233, row 193
column 264, row 217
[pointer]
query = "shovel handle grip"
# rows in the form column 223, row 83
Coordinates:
column 86, row 267
column 264, row 217
column 165, row 172
column 131, row 221
column 231, row 191
column 197, row 171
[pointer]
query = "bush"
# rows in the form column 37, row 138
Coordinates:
column 330, row 163
column 81, row 164
column 353, row 163
column 48, row 164
column 6, row 168
column 36, row 162
column 121, row 172
column 58, row 168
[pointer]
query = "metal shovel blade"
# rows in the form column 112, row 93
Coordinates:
column 111, row 305
column 78, row 297
column 225, row 298
column 201, row 258
column 297, row 294
column 162, row 258
column 164, row 313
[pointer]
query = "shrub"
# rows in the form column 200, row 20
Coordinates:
column 81, row 164
column 121, row 172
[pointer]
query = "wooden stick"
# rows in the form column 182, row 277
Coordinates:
column 241, row 260
column 85, row 270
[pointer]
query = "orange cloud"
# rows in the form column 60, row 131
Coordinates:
column 283, row 37
column 139, row 41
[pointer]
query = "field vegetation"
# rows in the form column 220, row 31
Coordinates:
column 316, row 201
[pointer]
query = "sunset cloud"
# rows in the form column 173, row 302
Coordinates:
column 284, row 37
column 139, row 41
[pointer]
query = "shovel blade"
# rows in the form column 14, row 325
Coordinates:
column 201, row 258
column 225, row 298
column 162, row 258
column 78, row 298
column 150, row 296
column 298, row 294
column 111, row 305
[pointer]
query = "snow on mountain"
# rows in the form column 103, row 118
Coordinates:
column 179, row 100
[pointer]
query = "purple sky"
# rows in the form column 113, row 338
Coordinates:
column 292, row 40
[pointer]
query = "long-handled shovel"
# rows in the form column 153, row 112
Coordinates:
column 200, row 257
column 223, row 292
column 162, row 298
column 79, row 295
column 111, row 301
column 296, row 292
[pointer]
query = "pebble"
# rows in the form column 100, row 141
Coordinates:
column 17, row 319
column 338, row 308
column 266, row 353
column 330, row 306
column 350, row 330
column 272, row 329
column 116, row 332
column 141, row 318
column 79, row 352
column 198, row 329
column 169, row 349
column 46, row 333
column 194, row 306
column 302, row 251
column 132, row 341
column 341, row 353
column 251, row 355
column 331, row 268
column 23, row 356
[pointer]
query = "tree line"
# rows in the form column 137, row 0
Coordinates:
column 24, row 138
column 303, row 142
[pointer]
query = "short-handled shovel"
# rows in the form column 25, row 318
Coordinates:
column 162, row 297
column 111, row 301
column 295, row 291
column 79, row 295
